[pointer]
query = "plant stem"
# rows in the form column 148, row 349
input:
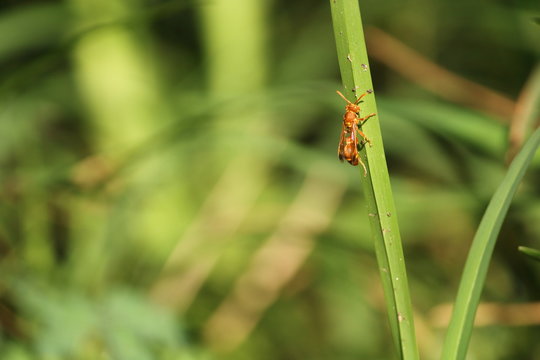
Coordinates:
column 356, row 77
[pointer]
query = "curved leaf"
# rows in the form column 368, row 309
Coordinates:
column 474, row 275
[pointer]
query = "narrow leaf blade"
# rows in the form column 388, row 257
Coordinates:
column 474, row 275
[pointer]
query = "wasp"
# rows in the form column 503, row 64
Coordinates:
column 348, row 141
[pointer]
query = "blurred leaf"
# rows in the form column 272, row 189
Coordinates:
column 132, row 327
column 31, row 27
column 415, row 146
column 532, row 253
column 453, row 122
column 15, row 352
column 67, row 324
column 62, row 320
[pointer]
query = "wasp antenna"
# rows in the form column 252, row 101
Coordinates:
column 359, row 98
column 343, row 97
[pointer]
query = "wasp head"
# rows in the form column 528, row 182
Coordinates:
column 352, row 108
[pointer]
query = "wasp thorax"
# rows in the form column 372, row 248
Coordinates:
column 350, row 117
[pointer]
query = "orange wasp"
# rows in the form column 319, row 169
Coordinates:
column 348, row 141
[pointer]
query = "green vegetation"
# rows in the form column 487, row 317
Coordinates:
column 354, row 65
column 474, row 274
column 170, row 189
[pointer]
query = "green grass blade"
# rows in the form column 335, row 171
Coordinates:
column 354, row 66
column 474, row 274
column 530, row 252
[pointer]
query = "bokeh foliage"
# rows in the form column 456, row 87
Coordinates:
column 169, row 187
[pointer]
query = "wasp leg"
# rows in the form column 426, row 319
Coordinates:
column 366, row 139
column 361, row 163
column 364, row 119
column 360, row 121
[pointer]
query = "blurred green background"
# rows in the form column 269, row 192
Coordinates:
column 170, row 189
